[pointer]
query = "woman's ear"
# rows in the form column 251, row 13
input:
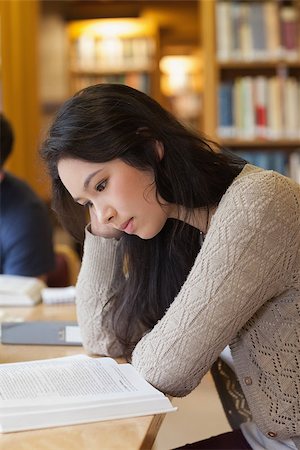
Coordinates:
column 159, row 149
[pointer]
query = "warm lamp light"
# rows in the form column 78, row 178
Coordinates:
column 110, row 28
column 178, row 73
column 112, row 47
column 188, row 64
column 113, row 29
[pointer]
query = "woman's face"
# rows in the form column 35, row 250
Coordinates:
column 120, row 195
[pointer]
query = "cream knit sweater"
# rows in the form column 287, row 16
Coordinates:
column 243, row 290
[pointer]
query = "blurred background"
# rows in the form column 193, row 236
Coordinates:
column 230, row 69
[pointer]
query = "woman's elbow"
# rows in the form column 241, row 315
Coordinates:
column 111, row 349
column 165, row 379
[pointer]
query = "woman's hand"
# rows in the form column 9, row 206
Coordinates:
column 104, row 230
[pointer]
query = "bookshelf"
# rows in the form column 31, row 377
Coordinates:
column 181, row 83
column 113, row 51
column 251, row 77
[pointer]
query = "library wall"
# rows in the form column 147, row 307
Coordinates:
column 19, row 86
column 228, row 68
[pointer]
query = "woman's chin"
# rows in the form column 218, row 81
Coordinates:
column 146, row 235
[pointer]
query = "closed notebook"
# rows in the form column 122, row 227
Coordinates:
column 16, row 290
column 41, row 332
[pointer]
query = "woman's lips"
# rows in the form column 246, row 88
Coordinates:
column 127, row 226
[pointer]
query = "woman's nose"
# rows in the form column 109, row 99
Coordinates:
column 105, row 215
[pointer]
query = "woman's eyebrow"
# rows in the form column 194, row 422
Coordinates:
column 87, row 182
column 89, row 177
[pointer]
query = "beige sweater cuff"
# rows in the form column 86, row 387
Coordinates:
column 99, row 257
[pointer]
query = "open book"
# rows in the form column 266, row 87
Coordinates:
column 71, row 390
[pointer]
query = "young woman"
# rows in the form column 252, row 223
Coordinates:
column 187, row 251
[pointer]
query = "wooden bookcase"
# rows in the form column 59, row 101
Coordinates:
column 251, row 57
column 113, row 51
column 181, row 83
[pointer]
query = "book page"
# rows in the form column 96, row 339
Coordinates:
column 69, row 380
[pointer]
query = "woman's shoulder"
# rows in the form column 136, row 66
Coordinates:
column 261, row 195
column 265, row 184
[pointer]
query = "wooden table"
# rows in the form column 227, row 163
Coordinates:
column 125, row 434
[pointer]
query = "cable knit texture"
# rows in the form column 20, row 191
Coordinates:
column 243, row 290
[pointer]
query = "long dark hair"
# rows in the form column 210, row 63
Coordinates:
column 108, row 121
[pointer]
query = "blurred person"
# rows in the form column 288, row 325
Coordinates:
column 26, row 246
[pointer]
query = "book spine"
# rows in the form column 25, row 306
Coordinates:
column 237, row 108
column 248, row 108
column 86, row 53
column 274, row 109
column 271, row 17
column 225, row 110
column 289, row 31
column 223, row 28
column 291, row 108
column 258, row 31
column 280, row 162
column 294, row 165
column 235, row 51
column 245, row 32
column 260, row 107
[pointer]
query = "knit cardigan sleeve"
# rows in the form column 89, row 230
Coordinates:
column 248, row 258
column 99, row 277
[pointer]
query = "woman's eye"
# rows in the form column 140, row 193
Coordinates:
column 101, row 186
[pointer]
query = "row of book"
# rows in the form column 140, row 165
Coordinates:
column 281, row 161
column 259, row 107
column 89, row 53
column 137, row 80
column 257, row 31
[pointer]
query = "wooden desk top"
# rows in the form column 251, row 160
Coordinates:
column 125, row 434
